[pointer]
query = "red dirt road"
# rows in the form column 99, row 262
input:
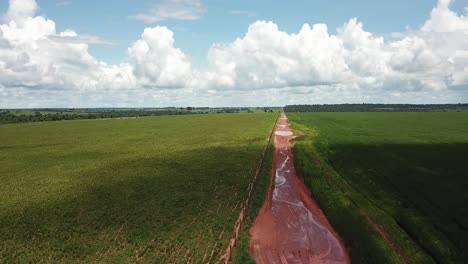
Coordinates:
column 290, row 227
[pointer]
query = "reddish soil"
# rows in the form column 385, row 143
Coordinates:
column 385, row 235
column 290, row 227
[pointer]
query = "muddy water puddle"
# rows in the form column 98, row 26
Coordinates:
column 290, row 227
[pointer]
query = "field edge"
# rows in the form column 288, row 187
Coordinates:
column 342, row 205
column 241, row 253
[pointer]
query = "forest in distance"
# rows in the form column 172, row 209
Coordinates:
column 56, row 114
column 375, row 107
column 8, row 116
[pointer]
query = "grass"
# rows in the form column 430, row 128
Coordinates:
column 157, row 190
column 242, row 252
column 406, row 170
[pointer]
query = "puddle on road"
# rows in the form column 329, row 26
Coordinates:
column 290, row 227
column 284, row 133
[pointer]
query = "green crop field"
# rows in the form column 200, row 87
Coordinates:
column 156, row 189
column 407, row 171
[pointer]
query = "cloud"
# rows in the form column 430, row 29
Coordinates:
column 19, row 10
column 172, row 9
column 156, row 62
column 69, row 36
column 35, row 56
column 269, row 58
column 42, row 67
column 430, row 59
column 444, row 20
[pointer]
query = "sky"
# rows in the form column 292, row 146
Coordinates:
column 157, row 53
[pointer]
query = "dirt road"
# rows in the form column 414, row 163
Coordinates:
column 290, row 227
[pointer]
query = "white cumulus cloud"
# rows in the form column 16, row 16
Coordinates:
column 32, row 57
column 266, row 65
column 19, row 10
column 432, row 58
column 269, row 58
column 157, row 63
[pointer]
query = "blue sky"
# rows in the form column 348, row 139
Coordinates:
column 83, row 53
column 220, row 24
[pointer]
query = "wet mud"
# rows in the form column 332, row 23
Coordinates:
column 290, row 227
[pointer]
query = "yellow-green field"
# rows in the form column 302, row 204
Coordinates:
column 158, row 189
column 407, row 171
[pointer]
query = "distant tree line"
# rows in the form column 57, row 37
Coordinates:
column 46, row 114
column 376, row 107
column 7, row 116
